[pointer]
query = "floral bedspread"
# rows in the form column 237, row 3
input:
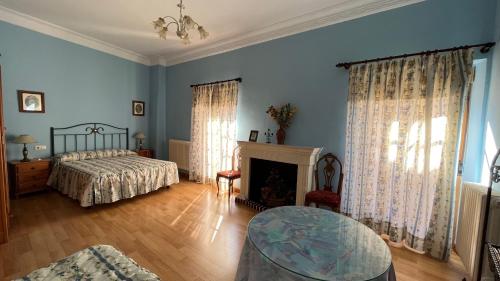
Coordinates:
column 101, row 262
column 95, row 181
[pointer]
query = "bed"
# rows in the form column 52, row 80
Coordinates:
column 106, row 173
column 101, row 262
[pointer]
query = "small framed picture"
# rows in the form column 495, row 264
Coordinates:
column 254, row 134
column 30, row 101
column 138, row 108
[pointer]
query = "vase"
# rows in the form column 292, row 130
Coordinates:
column 281, row 135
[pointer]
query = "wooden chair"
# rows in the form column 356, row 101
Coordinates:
column 232, row 174
column 327, row 196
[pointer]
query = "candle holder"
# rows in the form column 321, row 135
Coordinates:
column 268, row 135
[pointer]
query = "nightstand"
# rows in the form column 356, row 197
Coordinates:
column 145, row 152
column 27, row 177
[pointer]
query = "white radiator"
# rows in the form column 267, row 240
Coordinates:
column 178, row 152
column 470, row 225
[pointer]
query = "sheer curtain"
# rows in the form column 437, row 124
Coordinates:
column 401, row 147
column 213, row 130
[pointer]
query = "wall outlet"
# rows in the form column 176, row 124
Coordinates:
column 40, row 147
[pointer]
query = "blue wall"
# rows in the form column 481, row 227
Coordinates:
column 80, row 85
column 158, row 114
column 84, row 85
column 301, row 68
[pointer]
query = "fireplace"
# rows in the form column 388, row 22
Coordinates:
column 295, row 160
column 272, row 183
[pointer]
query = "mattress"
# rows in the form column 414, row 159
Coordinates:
column 102, row 180
column 101, row 262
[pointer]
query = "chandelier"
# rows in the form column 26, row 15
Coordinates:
column 183, row 24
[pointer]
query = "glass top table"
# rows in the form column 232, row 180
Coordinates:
column 316, row 244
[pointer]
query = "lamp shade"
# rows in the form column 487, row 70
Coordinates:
column 139, row 135
column 24, row 139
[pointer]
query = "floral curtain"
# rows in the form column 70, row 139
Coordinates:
column 401, row 148
column 213, row 130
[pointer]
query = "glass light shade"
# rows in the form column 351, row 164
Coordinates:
column 203, row 32
column 158, row 24
column 24, row 139
column 139, row 135
column 163, row 32
column 188, row 22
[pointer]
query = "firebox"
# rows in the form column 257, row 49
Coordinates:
column 272, row 184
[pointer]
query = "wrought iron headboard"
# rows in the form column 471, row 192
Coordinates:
column 83, row 131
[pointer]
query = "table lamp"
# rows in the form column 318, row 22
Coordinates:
column 139, row 136
column 25, row 139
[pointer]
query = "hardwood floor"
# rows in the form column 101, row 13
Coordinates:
column 181, row 233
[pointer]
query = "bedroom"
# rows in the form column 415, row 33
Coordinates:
column 91, row 61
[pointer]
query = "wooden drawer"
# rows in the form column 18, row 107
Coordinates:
column 32, row 176
column 149, row 153
column 26, row 177
column 144, row 153
column 32, row 185
column 32, row 166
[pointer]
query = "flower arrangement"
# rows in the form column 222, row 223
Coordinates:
column 283, row 115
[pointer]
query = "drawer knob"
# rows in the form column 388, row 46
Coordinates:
column 32, row 168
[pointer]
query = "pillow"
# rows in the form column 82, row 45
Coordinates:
column 99, row 153
column 107, row 153
column 68, row 156
column 92, row 154
column 87, row 155
column 123, row 152
column 130, row 152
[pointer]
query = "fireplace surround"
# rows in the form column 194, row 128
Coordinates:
column 303, row 157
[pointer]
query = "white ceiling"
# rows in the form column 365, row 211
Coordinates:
column 124, row 27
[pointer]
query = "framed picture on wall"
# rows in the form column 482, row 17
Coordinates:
column 31, row 101
column 138, row 108
column 254, row 134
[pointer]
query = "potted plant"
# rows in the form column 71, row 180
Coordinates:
column 283, row 116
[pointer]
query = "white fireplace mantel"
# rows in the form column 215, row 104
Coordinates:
column 304, row 157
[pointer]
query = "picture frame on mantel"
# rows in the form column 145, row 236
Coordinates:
column 31, row 101
column 138, row 108
column 254, row 134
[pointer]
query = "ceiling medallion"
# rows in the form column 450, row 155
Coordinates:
column 184, row 24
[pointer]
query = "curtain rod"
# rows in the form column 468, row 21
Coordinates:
column 485, row 47
column 216, row 82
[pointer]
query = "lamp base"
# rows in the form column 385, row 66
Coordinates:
column 25, row 154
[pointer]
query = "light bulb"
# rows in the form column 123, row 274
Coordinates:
column 182, row 34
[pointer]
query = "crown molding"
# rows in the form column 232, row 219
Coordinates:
column 158, row 60
column 335, row 14
column 39, row 25
column 344, row 11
